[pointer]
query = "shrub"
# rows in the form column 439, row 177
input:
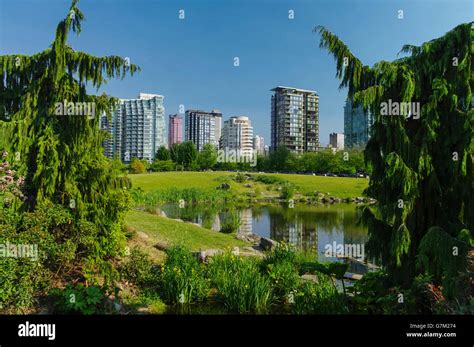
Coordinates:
column 268, row 179
column 281, row 265
column 285, row 278
column 147, row 299
column 370, row 293
column 163, row 165
column 319, row 297
column 240, row 177
column 79, row 299
column 239, row 284
column 283, row 252
column 44, row 234
column 181, row 279
column 287, row 191
column 139, row 269
column 20, row 281
column 137, row 167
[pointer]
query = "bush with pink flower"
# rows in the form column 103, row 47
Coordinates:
column 10, row 182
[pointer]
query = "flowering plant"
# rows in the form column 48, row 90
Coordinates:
column 10, row 181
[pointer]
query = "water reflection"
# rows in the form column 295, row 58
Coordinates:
column 308, row 227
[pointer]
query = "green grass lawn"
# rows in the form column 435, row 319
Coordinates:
column 161, row 229
column 341, row 187
column 179, row 179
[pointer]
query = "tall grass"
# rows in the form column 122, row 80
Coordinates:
column 281, row 265
column 182, row 278
column 231, row 222
column 319, row 297
column 175, row 195
column 239, row 284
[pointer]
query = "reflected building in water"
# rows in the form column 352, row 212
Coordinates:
column 294, row 232
column 246, row 218
column 216, row 225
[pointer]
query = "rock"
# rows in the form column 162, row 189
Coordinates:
column 267, row 244
column 204, row 255
column 224, row 186
column 142, row 235
column 162, row 246
column 248, row 237
column 163, row 214
column 309, row 277
column 352, row 276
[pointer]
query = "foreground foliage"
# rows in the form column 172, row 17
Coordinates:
column 73, row 202
column 421, row 165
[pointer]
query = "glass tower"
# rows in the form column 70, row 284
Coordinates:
column 357, row 124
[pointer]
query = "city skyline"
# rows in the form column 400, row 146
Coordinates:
column 272, row 48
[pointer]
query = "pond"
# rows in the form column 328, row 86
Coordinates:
column 330, row 230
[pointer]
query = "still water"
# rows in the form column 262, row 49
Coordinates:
column 331, row 230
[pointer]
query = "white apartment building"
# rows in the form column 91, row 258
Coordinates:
column 237, row 134
column 137, row 128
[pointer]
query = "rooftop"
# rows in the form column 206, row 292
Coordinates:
column 293, row 88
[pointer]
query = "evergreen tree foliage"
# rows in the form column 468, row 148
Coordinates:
column 421, row 168
column 62, row 156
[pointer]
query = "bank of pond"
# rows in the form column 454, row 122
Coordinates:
column 284, row 281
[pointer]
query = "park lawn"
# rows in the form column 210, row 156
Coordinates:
column 168, row 231
column 178, row 179
column 340, row 187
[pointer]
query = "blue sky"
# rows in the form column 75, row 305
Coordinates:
column 191, row 61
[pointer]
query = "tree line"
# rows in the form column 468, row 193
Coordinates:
column 185, row 156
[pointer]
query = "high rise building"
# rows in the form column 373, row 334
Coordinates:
column 237, row 134
column 175, row 129
column 259, row 144
column 295, row 119
column 336, row 140
column 203, row 127
column 137, row 128
column 357, row 124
